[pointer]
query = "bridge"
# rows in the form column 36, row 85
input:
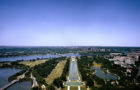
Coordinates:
column 9, row 84
column 12, row 82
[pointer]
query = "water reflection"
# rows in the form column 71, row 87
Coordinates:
column 24, row 85
column 101, row 74
column 5, row 73
column 73, row 71
column 28, row 57
column 31, row 57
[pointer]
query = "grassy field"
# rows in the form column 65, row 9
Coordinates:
column 65, row 88
column 98, row 65
column 73, row 88
column 56, row 72
column 83, row 87
column 96, row 85
column 33, row 63
column 0, row 64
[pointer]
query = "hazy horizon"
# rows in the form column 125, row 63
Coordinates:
column 70, row 23
column 60, row 46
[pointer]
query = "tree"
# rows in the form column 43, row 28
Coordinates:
column 51, row 87
column 58, row 83
column 89, row 82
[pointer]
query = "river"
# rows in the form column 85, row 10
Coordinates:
column 28, row 57
column 31, row 57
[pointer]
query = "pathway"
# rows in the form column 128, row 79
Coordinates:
column 34, row 80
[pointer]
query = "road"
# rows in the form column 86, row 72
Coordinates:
column 34, row 80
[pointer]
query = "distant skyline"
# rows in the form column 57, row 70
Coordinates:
column 69, row 22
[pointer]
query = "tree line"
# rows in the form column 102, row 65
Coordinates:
column 41, row 71
column 84, row 66
column 13, row 77
column 58, row 82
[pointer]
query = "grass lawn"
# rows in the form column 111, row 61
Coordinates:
column 83, row 87
column 56, row 72
column 73, row 88
column 0, row 65
column 96, row 85
column 98, row 65
column 33, row 63
column 65, row 88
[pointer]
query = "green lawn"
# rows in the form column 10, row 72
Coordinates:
column 73, row 88
column 56, row 72
column 33, row 63
column 98, row 65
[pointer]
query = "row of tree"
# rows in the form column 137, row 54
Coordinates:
column 25, row 51
column 58, row 82
column 13, row 77
column 65, row 70
column 41, row 71
column 84, row 66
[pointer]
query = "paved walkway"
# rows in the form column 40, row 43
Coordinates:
column 34, row 80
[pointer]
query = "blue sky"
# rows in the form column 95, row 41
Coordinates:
column 70, row 22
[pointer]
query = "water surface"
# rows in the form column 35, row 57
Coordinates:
column 5, row 73
column 24, row 85
column 73, row 71
column 31, row 57
column 71, row 54
column 101, row 74
column 28, row 57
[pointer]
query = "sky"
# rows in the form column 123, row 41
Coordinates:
column 70, row 22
